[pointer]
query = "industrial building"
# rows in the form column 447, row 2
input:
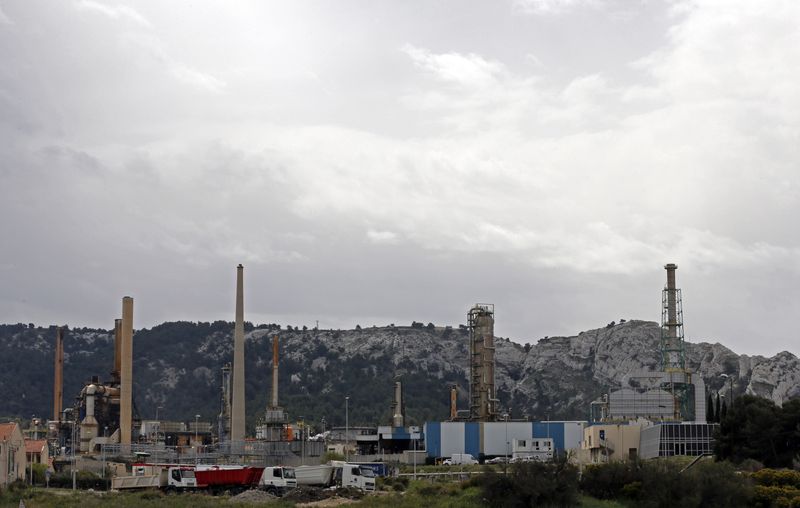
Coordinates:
column 669, row 439
column 611, row 442
column 673, row 393
column 493, row 439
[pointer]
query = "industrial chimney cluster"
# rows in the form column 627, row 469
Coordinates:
column 100, row 405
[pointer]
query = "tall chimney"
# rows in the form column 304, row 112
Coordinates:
column 397, row 418
column 117, row 349
column 672, row 312
column 58, row 384
column 126, row 372
column 237, row 407
column 275, row 371
column 453, row 402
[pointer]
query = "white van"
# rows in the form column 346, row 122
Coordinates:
column 460, row 458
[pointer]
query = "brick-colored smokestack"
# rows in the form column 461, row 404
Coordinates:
column 58, row 384
column 237, row 407
column 126, row 373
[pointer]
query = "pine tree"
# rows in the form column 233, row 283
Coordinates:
column 716, row 411
column 724, row 411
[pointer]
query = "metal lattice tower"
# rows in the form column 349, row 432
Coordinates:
column 673, row 358
column 482, row 400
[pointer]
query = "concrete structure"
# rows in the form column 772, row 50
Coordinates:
column 12, row 454
column 237, row 406
column 611, row 442
column 482, row 397
column 126, row 373
column 670, row 439
column 36, row 451
column 493, row 439
column 58, row 382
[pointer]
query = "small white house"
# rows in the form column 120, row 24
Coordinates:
column 535, row 448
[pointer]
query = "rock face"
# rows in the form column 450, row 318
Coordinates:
column 177, row 366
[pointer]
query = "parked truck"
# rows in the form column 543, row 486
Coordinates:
column 178, row 478
column 277, row 480
column 337, row 474
column 213, row 478
column 227, row 478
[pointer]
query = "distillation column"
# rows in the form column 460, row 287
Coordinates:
column 482, row 391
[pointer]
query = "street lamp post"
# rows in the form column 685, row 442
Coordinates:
column 103, row 448
column 302, row 441
column 505, row 416
column 74, row 479
column 346, row 426
column 414, row 441
column 196, row 447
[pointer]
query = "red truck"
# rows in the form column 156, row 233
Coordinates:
column 232, row 478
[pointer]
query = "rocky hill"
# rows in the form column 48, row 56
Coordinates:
column 177, row 366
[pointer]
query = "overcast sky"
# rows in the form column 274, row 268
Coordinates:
column 381, row 162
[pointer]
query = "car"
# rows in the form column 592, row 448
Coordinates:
column 498, row 460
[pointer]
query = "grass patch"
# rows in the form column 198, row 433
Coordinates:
column 424, row 493
column 58, row 498
column 591, row 502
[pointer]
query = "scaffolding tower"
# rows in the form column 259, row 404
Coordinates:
column 482, row 399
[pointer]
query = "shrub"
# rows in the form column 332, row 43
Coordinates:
column 777, row 478
column 531, row 484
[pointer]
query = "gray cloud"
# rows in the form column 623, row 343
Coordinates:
column 399, row 162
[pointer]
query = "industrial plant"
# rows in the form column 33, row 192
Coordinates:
column 650, row 414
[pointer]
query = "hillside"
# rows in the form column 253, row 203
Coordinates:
column 177, row 366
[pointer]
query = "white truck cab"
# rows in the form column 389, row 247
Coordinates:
column 181, row 478
column 354, row 475
column 277, row 480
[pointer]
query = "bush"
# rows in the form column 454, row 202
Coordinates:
column 777, row 478
column 661, row 484
column 767, row 496
column 531, row 484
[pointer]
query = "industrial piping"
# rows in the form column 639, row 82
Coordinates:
column 237, row 407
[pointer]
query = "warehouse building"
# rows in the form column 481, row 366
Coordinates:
column 493, row 439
